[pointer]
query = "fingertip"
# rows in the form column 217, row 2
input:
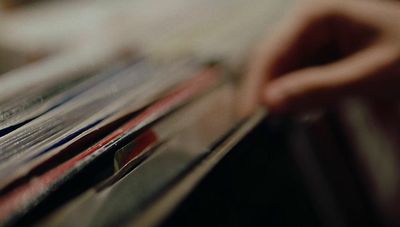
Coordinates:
column 242, row 113
column 245, row 106
column 246, row 99
column 275, row 99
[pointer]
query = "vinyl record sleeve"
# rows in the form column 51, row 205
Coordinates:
column 20, row 199
column 128, row 92
column 32, row 103
column 146, row 195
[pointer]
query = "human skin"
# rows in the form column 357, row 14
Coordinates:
column 323, row 52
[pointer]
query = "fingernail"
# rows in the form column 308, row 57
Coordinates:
column 274, row 98
column 273, row 95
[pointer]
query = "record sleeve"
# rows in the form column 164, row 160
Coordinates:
column 19, row 200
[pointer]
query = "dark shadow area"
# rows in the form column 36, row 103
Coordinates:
column 257, row 184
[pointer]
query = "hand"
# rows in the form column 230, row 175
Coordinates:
column 325, row 51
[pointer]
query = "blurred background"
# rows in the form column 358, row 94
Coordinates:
column 339, row 167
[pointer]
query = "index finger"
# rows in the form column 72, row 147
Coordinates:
column 279, row 50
